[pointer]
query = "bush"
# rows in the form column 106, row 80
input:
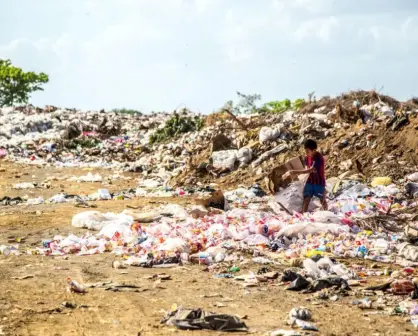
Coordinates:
column 175, row 126
column 280, row 106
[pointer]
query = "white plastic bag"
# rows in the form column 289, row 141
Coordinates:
column 95, row 220
column 101, row 194
column 109, row 231
column 268, row 134
column 292, row 196
column 257, row 239
column 104, row 194
column 89, row 178
column 383, row 191
column 244, row 155
column 177, row 211
column 224, row 159
column 413, row 177
column 326, row 217
column 59, row 198
column 175, row 245
column 311, row 268
column 35, row 201
column 144, row 217
column 24, row 185
column 295, row 230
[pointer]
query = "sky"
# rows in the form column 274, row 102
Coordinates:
column 155, row 55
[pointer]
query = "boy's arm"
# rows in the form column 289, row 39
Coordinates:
column 301, row 172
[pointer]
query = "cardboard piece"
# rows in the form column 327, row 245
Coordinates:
column 274, row 181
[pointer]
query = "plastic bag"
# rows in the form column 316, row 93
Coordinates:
column 342, row 271
column 311, row 268
column 144, row 217
column 411, row 189
column 104, row 194
column 95, row 220
column 268, row 134
column 413, row 177
column 35, row 201
column 244, row 155
column 311, row 228
column 88, row 178
column 257, row 239
column 271, row 227
column 408, row 251
column 383, row 180
column 159, row 229
column 24, row 185
column 59, row 198
column 301, row 313
column 175, row 245
column 118, row 231
column 101, row 194
column 224, row 159
column 175, row 210
column 292, row 196
column 385, row 191
column 358, row 190
column 326, row 217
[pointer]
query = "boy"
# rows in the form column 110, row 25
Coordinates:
column 315, row 185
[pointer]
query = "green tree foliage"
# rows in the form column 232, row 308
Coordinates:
column 246, row 104
column 17, row 85
column 175, row 126
column 280, row 106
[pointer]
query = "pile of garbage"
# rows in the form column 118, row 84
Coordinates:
column 366, row 221
column 357, row 131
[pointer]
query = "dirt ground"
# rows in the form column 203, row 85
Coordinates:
column 33, row 305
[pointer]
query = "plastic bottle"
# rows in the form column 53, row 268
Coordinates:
column 270, row 228
column 204, row 258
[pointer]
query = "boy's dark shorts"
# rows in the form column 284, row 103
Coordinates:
column 312, row 190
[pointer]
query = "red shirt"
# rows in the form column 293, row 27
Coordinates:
column 317, row 162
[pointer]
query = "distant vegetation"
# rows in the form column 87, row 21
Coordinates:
column 127, row 111
column 17, row 85
column 175, row 126
column 247, row 105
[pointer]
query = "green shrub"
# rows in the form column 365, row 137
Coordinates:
column 175, row 126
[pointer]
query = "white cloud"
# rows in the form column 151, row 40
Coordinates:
column 202, row 5
column 323, row 29
column 314, row 6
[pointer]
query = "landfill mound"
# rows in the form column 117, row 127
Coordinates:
column 235, row 249
column 359, row 132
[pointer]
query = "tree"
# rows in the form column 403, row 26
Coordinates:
column 247, row 103
column 17, row 85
